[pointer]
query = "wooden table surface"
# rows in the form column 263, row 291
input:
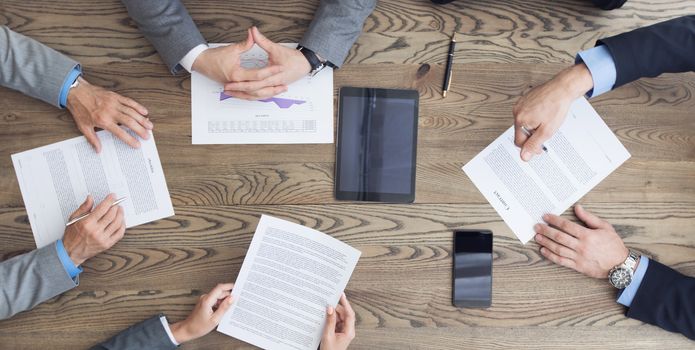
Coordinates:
column 402, row 285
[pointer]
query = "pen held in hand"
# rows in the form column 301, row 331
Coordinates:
column 528, row 133
column 117, row 202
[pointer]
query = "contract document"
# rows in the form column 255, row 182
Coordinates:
column 56, row 179
column 291, row 273
column 302, row 114
column 579, row 156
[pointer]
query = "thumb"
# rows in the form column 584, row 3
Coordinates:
column 534, row 144
column 248, row 43
column 265, row 43
column 222, row 309
column 84, row 208
column 329, row 329
column 588, row 218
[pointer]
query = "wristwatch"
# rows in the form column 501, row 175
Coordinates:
column 316, row 63
column 75, row 83
column 621, row 275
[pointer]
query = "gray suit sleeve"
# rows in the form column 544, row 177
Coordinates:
column 168, row 26
column 31, row 67
column 149, row 334
column 336, row 26
column 30, row 279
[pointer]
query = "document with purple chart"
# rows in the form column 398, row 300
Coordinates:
column 579, row 156
column 302, row 114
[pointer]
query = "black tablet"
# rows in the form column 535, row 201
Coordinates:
column 376, row 148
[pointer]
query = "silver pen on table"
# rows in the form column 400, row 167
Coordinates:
column 528, row 133
column 117, row 202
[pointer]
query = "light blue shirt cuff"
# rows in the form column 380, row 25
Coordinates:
column 629, row 292
column 72, row 76
column 69, row 266
column 602, row 68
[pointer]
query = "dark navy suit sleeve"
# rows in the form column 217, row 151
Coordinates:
column 666, row 47
column 665, row 298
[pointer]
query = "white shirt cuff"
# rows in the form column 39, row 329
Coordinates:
column 165, row 323
column 188, row 60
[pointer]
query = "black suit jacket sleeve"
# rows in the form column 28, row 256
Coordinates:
column 665, row 298
column 666, row 47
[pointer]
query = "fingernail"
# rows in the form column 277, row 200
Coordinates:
column 537, row 237
column 542, row 250
column 526, row 155
column 537, row 227
column 546, row 217
column 229, row 299
column 330, row 310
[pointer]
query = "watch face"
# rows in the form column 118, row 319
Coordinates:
column 620, row 278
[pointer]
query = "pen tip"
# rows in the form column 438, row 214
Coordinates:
column 443, row 93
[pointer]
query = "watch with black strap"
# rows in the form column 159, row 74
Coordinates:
column 621, row 276
column 316, row 63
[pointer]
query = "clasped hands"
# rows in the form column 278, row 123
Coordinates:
column 223, row 64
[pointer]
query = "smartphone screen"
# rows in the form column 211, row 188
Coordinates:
column 472, row 275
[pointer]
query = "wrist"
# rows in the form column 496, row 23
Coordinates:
column 180, row 332
column 199, row 62
column 577, row 80
column 622, row 256
column 75, row 94
column 76, row 258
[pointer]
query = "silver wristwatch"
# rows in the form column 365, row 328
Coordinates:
column 621, row 275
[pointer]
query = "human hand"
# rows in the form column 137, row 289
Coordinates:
column 97, row 232
column 543, row 109
column 292, row 66
column 593, row 250
column 340, row 326
column 206, row 315
column 223, row 64
column 94, row 107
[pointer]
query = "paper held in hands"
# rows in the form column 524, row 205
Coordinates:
column 579, row 156
column 57, row 178
column 291, row 273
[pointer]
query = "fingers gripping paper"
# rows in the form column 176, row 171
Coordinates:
column 580, row 155
column 291, row 273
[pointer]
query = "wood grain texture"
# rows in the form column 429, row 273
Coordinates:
column 402, row 285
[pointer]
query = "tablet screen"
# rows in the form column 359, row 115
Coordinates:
column 377, row 144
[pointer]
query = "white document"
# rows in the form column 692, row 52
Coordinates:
column 291, row 273
column 56, row 179
column 580, row 155
column 302, row 114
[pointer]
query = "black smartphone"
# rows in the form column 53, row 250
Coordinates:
column 472, row 271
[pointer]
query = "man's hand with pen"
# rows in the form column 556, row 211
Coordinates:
column 540, row 112
column 95, row 233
